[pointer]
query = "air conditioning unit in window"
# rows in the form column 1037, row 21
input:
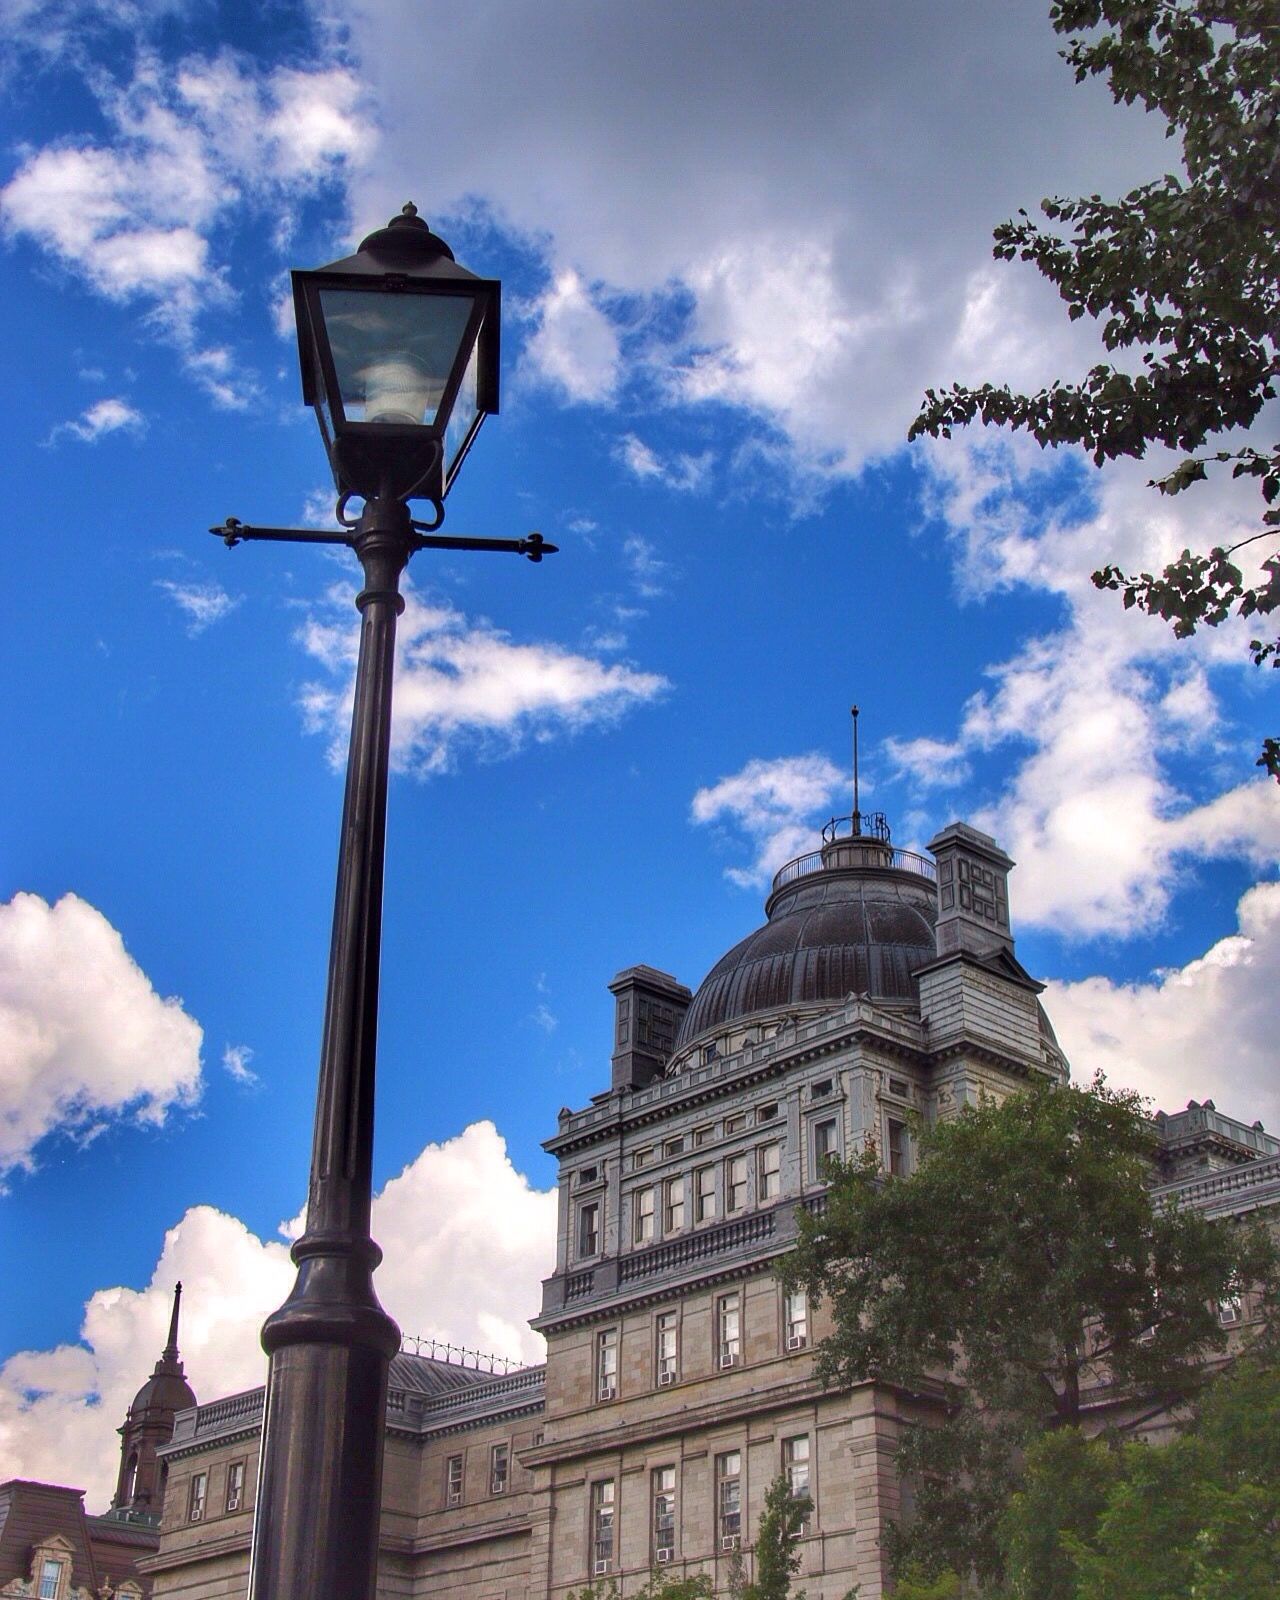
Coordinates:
column 796, row 1341
column 602, row 1567
column 608, row 1391
column 197, row 1514
column 233, row 1501
column 663, row 1555
column 666, row 1377
column 730, row 1541
column 728, row 1361
column 454, row 1497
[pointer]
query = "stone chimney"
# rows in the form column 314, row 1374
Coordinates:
column 650, row 1005
column 973, row 892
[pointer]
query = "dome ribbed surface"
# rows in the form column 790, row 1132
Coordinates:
column 830, row 935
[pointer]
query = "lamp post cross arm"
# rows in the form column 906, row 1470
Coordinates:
column 233, row 532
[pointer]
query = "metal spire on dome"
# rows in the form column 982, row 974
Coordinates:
column 170, row 1352
column 856, row 818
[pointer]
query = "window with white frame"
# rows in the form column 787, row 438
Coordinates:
column 589, row 1228
column 499, row 1468
column 704, row 1194
column 795, row 1318
column 602, row 1506
column 735, row 1185
column 642, row 1216
column 769, row 1172
column 826, row 1143
column 198, row 1496
column 453, row 1481
column 50, row 1579
column 729, row 1329
column 899, row 1148
column 235, row 1485
column 673, row 1206
column 666, row 1360
column 664, row 1513
column 607, row 1364
column 795, row 1464
column 729, row 1498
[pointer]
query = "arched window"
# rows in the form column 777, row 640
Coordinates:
column 131, row 1477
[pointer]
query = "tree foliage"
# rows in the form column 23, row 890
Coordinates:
column 1022, row 1265
column 777, row 1546
column 1183, row 277
column 1100, row 1520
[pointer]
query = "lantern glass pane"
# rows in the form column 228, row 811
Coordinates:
column 465, row 410
column 393, row 353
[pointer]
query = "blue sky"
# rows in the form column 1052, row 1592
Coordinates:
column 734, row 253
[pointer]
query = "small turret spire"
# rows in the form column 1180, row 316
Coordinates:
column 856, row 818
column 171, row 1348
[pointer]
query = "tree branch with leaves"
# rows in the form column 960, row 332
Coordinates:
column 1183, row 272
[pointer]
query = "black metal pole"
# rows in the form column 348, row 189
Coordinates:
column 315, row 1529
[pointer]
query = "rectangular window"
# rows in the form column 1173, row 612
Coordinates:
column 899, row 1087
column 795, row 1316
column 769, row 1162
column 735, row 1185
column 729, row 1498
column 607, row 1364
column 795, row 1463
column 820, row 1090
column 199, row 1494
column 704, row 1194
column 734, row 1125
column 703, row 1135
column 589, row 1229
column 602, row 1526
column 1230, row 1310
column 664, row 1513
column 729, row 1329
column 499, row 1468
column 453, row 1481
column 666, row 1355
column 235, row 1486
column 673, row 1206
column 673, row 1147
column 826, row 1143
column 897, row 1148
column 642, row 1216
column 642, row 1157
column 50, row 1574
column 588, row 1174
column 766, row 1113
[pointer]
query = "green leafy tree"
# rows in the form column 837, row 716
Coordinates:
column 1199, row 1516
column 1020, row 1266
column 1183, row 272
column 1064, row 1487
column 777, row 1546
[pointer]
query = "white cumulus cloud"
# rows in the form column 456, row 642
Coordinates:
column 102, row 417
column 574, row 345
column 1202, row 1031
column 776, row 804
column 459, row 680
column 85, row 1040
column 203, row 604
column 467, row 1241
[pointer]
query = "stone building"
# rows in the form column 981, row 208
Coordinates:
column 679, row 1378
column 51, row 1548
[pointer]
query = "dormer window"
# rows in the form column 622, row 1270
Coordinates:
column 50, row 1579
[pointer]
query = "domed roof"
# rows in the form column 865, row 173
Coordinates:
column 164, row 1390
column 854, row 918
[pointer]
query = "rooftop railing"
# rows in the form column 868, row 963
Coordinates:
column 898, row 860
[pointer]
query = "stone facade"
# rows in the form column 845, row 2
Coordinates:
column 679, row 1379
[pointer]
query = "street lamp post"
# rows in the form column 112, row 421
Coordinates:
column 399, row 354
